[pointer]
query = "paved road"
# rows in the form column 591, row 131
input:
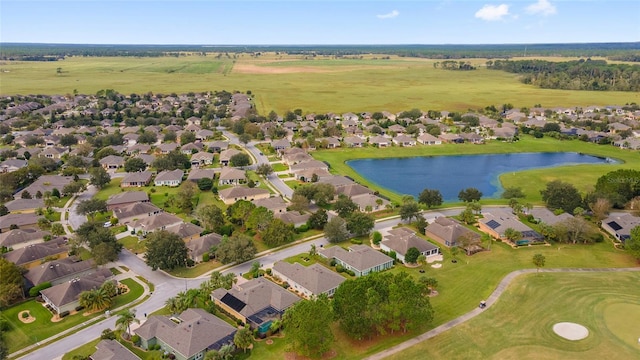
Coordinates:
column 75, row 219
column 502, row 286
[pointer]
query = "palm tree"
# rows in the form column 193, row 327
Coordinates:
column 125, row 319
column 422, row 260
column 87, row 299
column 173, row 305
column 243, row 339
column 95, row 299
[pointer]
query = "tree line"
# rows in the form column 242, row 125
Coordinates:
column 573, row 75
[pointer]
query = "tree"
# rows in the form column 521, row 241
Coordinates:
column 134, row 165
column 239, row 160
column 238, row 248
column 336, row 230
column 244, row 138
column 205, row 184
column 243, row 338
column 470, row 194
column 91, row 206
column 512, row 235
column 44, row 223
column 165, row 251
column 376, row 237
column 57, row 229
column 299, row 203
column 344, row 206
column 318, row 219
column 430, row 197
column 422, row 260
column 359, row 223
column 211, row 216
column 93, row 234
column 574, row 230
column 409, row 209
column 632, row 244
column 600, row 208
column 105, row 252
column 125, row 319
column 538, row 261
column 619, row 186
column 308, row 326
column 169, row 136
column 99, row 177
column 412, row 255
column 95, row 299
column 264, row 170
column 467, row 216
column 561, row 195
column 512, row 193
column 259, row 219
column 185, row 196
column 147, row 137
column 25, row 195
column 73, row 188
column 239, row 212
column 3, row 210
column 11, row 282
column 187, row 137
column 278, row 233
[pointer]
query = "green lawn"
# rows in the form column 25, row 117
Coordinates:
column 311, row 85
column 279, row 167
column 197, row 270
column 531, row 181
column 54, row 216
column 90, row 347
column 84, row 350
column 22, row 335
column 522, row 320
column 133, row 244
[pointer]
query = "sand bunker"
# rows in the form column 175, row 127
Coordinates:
column 571, row 331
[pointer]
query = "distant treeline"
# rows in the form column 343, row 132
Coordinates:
column 619, row 51
column 573, row 75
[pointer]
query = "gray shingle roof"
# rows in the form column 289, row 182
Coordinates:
column 360, row 257
column 315, row 278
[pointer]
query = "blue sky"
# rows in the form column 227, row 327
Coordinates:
column 319, row 21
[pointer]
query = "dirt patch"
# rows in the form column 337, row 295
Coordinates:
column 28, row 319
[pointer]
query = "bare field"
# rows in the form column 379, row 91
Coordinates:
column 313, row 84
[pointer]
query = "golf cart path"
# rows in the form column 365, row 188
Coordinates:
column 502, row 286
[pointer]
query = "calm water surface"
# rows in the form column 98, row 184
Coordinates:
column 450, row 174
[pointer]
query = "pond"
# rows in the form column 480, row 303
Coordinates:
column 450, row 174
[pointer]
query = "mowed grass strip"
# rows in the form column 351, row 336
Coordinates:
column 519, row 325
column 531, row 181
column 373, row 85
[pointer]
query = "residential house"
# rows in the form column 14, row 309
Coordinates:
column 295, row 156
column 451, row 138
column 473, row 138
column 191, row 148
column 257, row 302
column 32, row 255
column 138, row 149
column 300, row 170
column 232, row 176
column 54, row 153
column 112, row 162
column 22, row 221
column 280, row 145
column 197, row 174
column 126, row 198
column 130, row 139
column 166, row 148
column 311, row 280
column 404, row 140
column 64, row 297
column 159, row 221
column 620, row 225
column 201, row 159
column 137, row 179
column 236, row 193
column 46, row 183
column 628, row 143
column 353, row 141
column 351, row 190
column 218, row 146
column 275, row 204
column 169, row 178
column 19, row 238
column 226, row 155
column 204, row 134
column 402, row 239
column 544, row 215
column 450, row 233
column 186, row 231
column 294, row 218
column 369, row 202
column 380, row 141
column 24, row 205
column 59, row 271
column 11, row 165
column 202, row 245
column 148, row 159
column 360, row 259
column 428, row 139
column 134, row 211
column 396, row 128
column 496, row 222
column 112, row 350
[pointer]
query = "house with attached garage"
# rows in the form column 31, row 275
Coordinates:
column 19, row 238
column 137, row 179
column 134, row 211
column 236, row 193
column 495, row 223
column 32, row 255
column 257, row 302
column 226, row 155
column 232, row 176
column 112, row 350
column 65, row 296
column 402, row 239
column 126, row 198
column 160, row 221
column 312, row 280
column 450, row 233
column 360, row 259
column 187, row 336
column 59, row 271
column 620, row 225
column 202, row 245
column 428, row 139
column 169, row 178
column 112, row 162
column 201, row 159
column 197, row 174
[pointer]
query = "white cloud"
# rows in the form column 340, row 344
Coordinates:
column 493, row 12
column 390, row 15
column 542, row 7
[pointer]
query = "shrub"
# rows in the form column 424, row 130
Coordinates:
column 35, row 291
column 332, row 262
column 64, row 313
column 356, row 241
column 108, row 334
column 205, row 257
column 157, row 347
column 190, row 262
column 25, row 315
column 340, row 268
column 135, row 339
column 195, row 222
column 350, row 272
column 285, row 285
column 268, row 271
column 79, row 308
column 152, row 190
column 302, row 228
column 4, row 325
column 376, row 237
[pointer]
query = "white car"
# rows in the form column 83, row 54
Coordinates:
column 107, row 224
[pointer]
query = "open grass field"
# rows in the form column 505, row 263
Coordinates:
column 519, row 325
column 284, row 82
column 531, row 181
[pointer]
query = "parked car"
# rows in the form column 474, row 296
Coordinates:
column 107, row 224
